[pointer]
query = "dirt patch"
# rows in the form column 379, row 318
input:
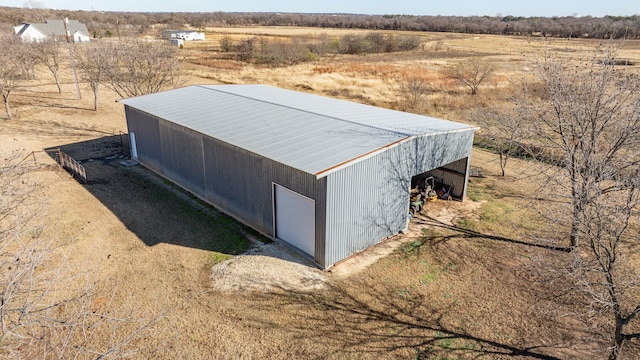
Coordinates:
column 268, row 267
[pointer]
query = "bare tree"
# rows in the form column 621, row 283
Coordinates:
column 589, row 123
column 48, row 53
column 27, row 58
column 470, row 73
column 413, row 91
column 246, row 49
column 91, row 60
column 598, row 281
column 504, row 131
column 139, row 67
column 610, row 281
column 12, row 72
column 47, row 309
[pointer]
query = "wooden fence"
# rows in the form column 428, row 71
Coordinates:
column 69, row 164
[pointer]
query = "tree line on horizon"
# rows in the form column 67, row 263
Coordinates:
column 101, row 22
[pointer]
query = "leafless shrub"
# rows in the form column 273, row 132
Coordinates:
column 280, row 53
column 413, row 91
column 438, row 45
column 226, row 43
column 470, row 73
column 377, row 43
column 246, row 49
column 408, row 42
column 321, row 45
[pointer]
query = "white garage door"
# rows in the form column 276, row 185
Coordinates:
column 295, row 219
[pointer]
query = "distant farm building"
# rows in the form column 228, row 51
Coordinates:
column 186, row 35
column 329, row 177
column 78, row 31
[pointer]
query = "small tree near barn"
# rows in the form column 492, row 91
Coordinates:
column 503, row 131
column 413, row 91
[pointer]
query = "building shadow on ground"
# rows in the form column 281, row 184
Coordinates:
column 153, row 208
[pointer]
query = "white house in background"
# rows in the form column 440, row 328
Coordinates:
column 187, row 35
column 52, row 28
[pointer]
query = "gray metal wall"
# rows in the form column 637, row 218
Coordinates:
column 168, row 149
column 238, row 182
column 145, row 126
column 368, row 201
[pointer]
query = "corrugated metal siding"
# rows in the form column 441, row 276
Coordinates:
column 459, row 166
column 363, row 206
column 438, row 150
column 368, row 201
column 304, row 184
column 241, row 183
column 147, row 132
column 182, row 156
column 236, row 181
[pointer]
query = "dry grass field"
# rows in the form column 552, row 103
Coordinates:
column 462, row 284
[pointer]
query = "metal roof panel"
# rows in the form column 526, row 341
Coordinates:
column 308, row 132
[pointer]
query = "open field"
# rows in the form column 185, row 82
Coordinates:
column 375, row 79
column 463, row 283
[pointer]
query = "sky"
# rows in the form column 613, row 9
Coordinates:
column 527, row 8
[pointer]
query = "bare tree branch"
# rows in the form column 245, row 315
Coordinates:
column 589, row 121
column 470, row 73
column 47, row 52
column 48, row 310
column 138, row 67
column 12, row 68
